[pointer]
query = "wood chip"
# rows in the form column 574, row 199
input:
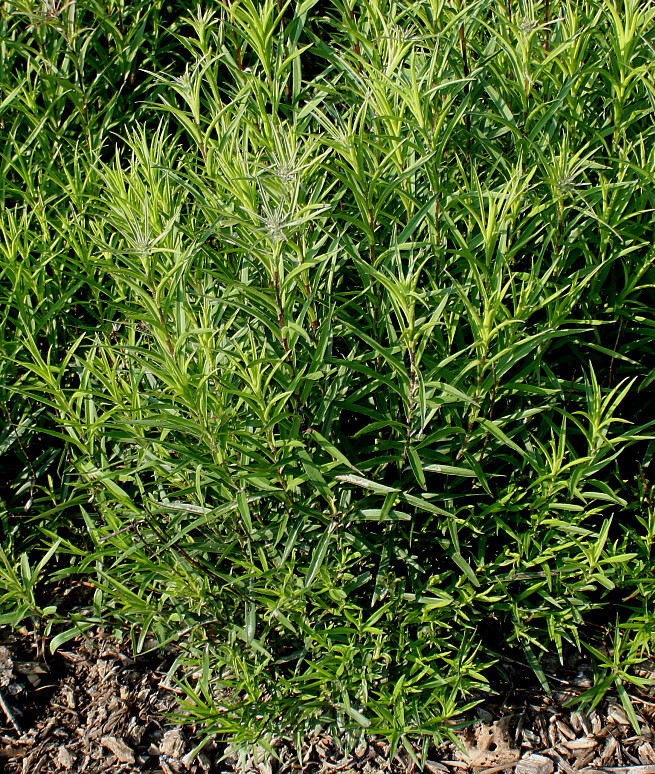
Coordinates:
column 579, row 722
column 8, row 713
column 609, row 750
column 585, row 758
column 646, row 753
column 64, row 758
column 561, row 762
column 596, row 721
column 119, row 748
column 552, row 732
column 565, row 730
column 535, row 764
column 172, row 743
column 489, row 747
column 69, row 696
column 586, row 743
column 497, row 769
column 32, row 670
column 6, row 667
column 621, row 770
column 617, row 715
column 435, row 768
column 13, row 752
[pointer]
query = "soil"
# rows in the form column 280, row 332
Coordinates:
column 90, row 708
column 93, row 708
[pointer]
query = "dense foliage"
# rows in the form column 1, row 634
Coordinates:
column 327, row 343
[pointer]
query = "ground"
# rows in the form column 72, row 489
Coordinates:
column 92, row 707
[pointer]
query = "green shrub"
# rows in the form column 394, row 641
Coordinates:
column 341, row 330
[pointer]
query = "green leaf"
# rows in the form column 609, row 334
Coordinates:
column 450, row 470
column 415, row 463
column 366, row 483
column 357, row 716
column 318, row 556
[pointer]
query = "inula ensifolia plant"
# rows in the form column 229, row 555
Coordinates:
column 327, row 346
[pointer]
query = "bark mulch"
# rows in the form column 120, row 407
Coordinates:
column 94, row 708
